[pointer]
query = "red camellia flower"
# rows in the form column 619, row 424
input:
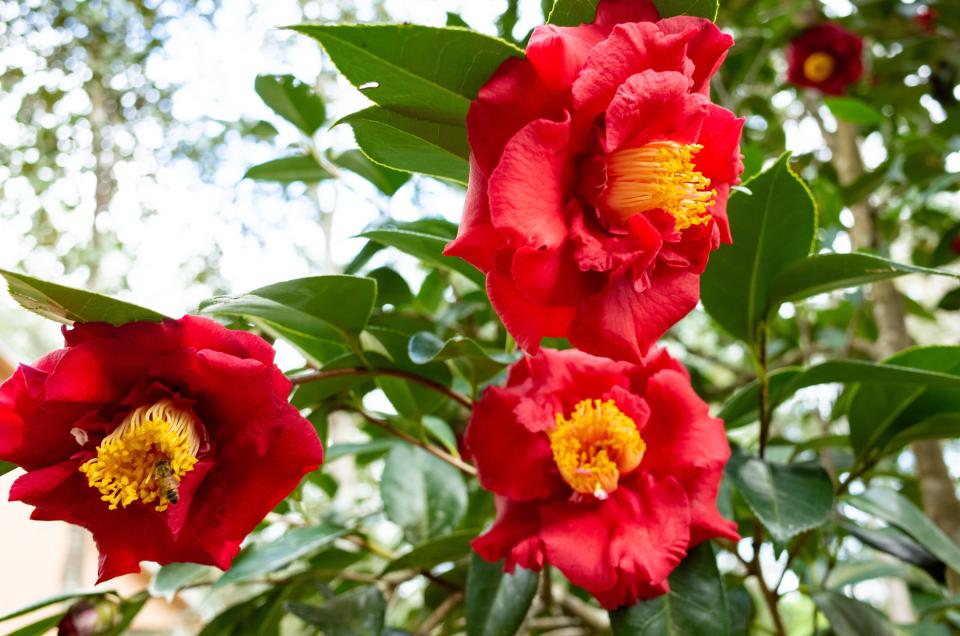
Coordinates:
column 169, row 441
column 599, row 178
column 826, row 57
column 607, row 470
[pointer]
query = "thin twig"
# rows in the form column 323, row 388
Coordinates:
column 436, row 618
column 314, row 376
column 410, row 439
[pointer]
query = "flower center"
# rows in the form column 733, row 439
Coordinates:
column 595, row 447
column 818, row 66
column 661, row 175
column 145, row 457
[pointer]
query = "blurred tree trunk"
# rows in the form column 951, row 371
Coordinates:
column 936, row 486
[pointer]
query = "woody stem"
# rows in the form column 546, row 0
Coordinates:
column 456, row 462
column 314, row 376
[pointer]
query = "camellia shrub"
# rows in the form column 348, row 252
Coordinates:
column 643, row 387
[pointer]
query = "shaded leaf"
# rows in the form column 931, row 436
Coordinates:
column 68, row 305
column 427, row 555
column 359, row 612
column 696, row 603
column 260, row 559
column 788, row 498
column 293, row 100
column 850, row 617
column 288, row 169
column 853, row 110
column 700, row 8
column 772, row 229
column 413, row 145
column 497, row 602
column 423, row 72
column 426, row 247
column 384, row 179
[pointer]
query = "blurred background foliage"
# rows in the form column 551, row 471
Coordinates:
column 111, row 145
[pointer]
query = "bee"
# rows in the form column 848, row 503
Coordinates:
column 167, row 481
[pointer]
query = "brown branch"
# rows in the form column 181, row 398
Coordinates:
column 410, row 439
column 770, row 597
column 313, row 376
column 436, row 618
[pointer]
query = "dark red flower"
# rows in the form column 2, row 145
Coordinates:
column 926, row 16
column 168, row 441
column 826, row 57
column 599, row 178
column 607, row 470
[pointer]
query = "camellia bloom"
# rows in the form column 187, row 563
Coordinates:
column 826, row 57
column 599, row 177
column 607, row 470
column 169, row 441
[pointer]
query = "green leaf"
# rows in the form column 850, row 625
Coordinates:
column 359, row 612
column 289, row 169
column 42, row 626
column 950, row 300
column 425, row 347
column 128, row 613
column 826, row 272
column 52, row 600
column 413, row 145
column 853, row 110
column 326, row 307
column 6, row 467
column 293, row 100
column 418, row 71
column 260, row 559
column 850, row 617
column 384, row 179
column 741, row 408
column 877, row 413
column 440, row 550
column 788, row 498
column 68, row 305
column 851, row 573
column 696, row 603
column 344, row 449
column 173, row 577
column 700, row 8
column 427, row 248
column 421, row 493
column 772, row 229
column 572, row 12
column 497, row 602
column 411, row 399
column 899, row 511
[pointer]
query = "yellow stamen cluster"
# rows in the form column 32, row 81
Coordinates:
column 124, row 470
column 661, row 175
column 595, row 447
column 818, row 66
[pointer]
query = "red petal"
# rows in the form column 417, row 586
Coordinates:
column 513, row 537
column 528, row 190
column 548, row 276
column 720, row 158
column 558, row 53
column 651, row 106
column 511, row 460
column 707, row 46
column 96, row 371
column 622, row 324
column 526, row 321
column 477, row 240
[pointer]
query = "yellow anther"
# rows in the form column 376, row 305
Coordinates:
column 818, row 66
column 660, row 175
column 124, row 468
column 595, row 447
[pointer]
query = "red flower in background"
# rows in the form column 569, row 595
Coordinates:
column 926, row 16
column 599, row 177
column 168, row 441
column 607, row 470
column 826, row 57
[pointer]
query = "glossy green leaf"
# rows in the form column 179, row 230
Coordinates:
column 899, row 511
column 324, row 307
column 42, row 626
column 497, row 602
column 68, row 305
column 260, row 559
column 288, row 170
column 426, row 247
column 384, row 179
column 772, row 228
column 741, row 408
column 427, row 555
column 293, row 100
column 853, row 110
column 788, row 498
column 359, row 612
column 700, row 8
column 421, row 493
column 411, row 399
column 850, row 617
column 173, row 577
column 696, row 603
column 426, row 347
column 879, row 412
column 422, row 72
column 572, row 12
column 413, row 145
column 826, row 272
column 52, row 600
